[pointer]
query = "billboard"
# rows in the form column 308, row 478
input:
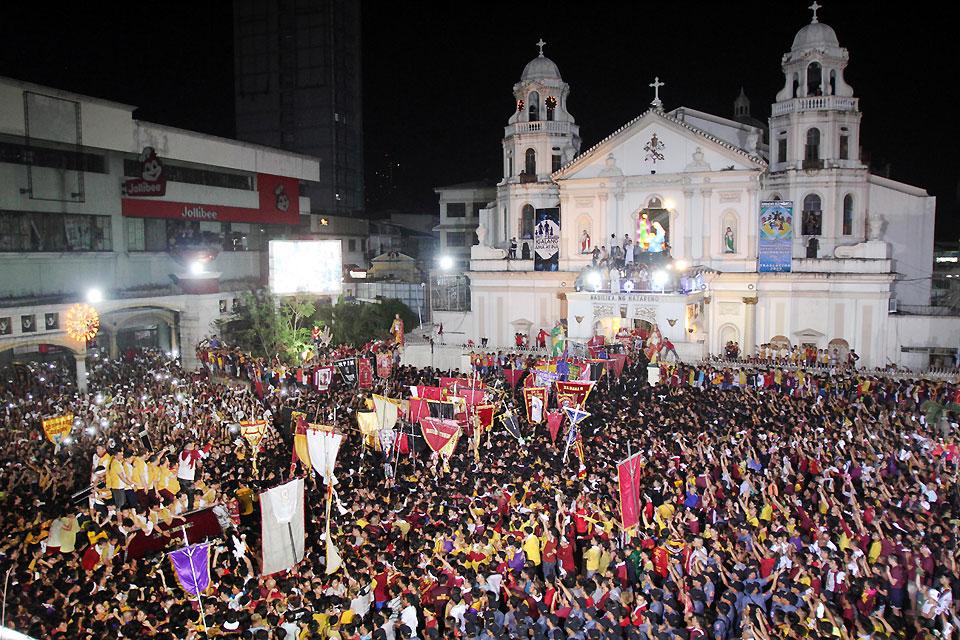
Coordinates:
column 306, row 266
column 546, row 240
column 775, row 250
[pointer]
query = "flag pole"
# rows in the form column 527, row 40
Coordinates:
column 193, row 572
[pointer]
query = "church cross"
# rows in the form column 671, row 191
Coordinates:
column 814, row 7
column 656, row 84
column 540, row 44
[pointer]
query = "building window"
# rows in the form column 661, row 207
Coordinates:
column 812, row 215
column 58, row 232
column 812, row 150
column 814, row 79
column 533, row 106
column 844, row 144
column 848, row 215
column 352, row 245
column 192, row 175
column 554, row 163
column 451, row 293
column 456, row 210
column 476, row 208
column 456, row 239
column 135, row 239
column 530, row 162
column 527, row 216
column 781, row 149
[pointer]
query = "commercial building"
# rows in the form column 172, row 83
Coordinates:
column 168, row 226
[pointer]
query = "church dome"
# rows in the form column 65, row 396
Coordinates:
column 815, row 35
column 540, row 68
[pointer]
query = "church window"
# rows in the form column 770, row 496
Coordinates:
column 833, row 82
column 776, row 196
column 796, row 84
column 509, row 165
column 530, row 162
column 456, row 239
column 814, row 79
column 848, row 215
column 527, row 215
column 554, row 163
column 533, row 106
column 813, row 144
column 782, row 149
column 551, row 107
column 655, row 203
column 844, row 144
column 456, row 209
column 812, row 216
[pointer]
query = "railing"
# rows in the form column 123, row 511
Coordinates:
column 548, row 126
column 927, row 310
column 948, row 375
column 816, row 103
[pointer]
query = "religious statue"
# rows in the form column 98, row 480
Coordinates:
column 397, row 330
column 585, row 242
column 557, row 339
column 729, row 245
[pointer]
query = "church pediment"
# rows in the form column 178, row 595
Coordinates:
column 656, row 142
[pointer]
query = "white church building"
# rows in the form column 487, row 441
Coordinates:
column 669, row 220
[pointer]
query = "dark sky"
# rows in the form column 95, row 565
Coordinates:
column 437, row 78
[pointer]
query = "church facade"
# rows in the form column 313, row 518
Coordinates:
column 694, row 225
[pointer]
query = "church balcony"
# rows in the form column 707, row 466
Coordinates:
column 815, row 103
column 548, row 126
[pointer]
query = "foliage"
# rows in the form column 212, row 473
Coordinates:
column 357, row 323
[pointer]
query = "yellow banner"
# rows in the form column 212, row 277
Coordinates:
column 57, row 428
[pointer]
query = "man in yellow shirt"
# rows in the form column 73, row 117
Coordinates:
column 531, row 547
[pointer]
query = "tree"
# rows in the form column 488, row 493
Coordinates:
column 357, row 323
column 266, row 328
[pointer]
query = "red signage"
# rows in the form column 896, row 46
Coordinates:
column 279, row 204
column 152, row 181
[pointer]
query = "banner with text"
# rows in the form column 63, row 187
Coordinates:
column 546, row 240
column 775, row 250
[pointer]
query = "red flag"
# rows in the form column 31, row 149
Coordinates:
column 485, row 413
column 577, row 389
column 618, row 360
column 429, row 393
column 258, row 386
column 403, row 444
column 554, row 419
column 512, row 376
column 628, row 475
column 464, row 383
column 418, row 409
column 365, row 373
column 438, row 431
column 471, row 396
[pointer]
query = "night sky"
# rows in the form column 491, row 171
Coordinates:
column 437, row 78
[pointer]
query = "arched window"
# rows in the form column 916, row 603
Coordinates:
column 551, row 105
column 776, row 196
column 833, row 82
column 729, row 232
column 530, row 162
column 655, row 203
column 527, row 215
column 796, row 84
column 812, row 216
column 848, row 215
column 812, row 151
column 814, row 79
column 533, row 106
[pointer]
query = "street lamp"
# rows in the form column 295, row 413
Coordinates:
column 446, row 263
column 94, row 296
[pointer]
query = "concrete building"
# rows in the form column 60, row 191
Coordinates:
column 297, row 70
column 170, row 226
column 460, row 206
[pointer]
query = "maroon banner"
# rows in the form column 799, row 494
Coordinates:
column 279, row 203
column 576, row 389
column 554, row 420
column 464, row 383
column 471, row 396
column 485, row 413
column 429, row 393
column 384, row 365
column 418, row 409
column 437, row 431
column 365, row 373
column 536, row 400
column 323, row 378
column 617, row 360
column 513, row 376
column 628, row 476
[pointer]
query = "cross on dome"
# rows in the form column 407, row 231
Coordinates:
column 540, row 44
column 814, row 7
column 656, row 84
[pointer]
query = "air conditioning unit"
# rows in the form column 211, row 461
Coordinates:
column 892, row 305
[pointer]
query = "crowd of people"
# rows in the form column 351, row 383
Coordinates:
column 774, row 504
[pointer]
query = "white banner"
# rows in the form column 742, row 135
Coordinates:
column 282, row 526
column 323, row 447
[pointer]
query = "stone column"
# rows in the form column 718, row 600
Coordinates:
column 114, row 349
column 750, row 327
column 690, row 229
column 706, row 201
column 604, row 230
column 81, row 360
column 174, row 337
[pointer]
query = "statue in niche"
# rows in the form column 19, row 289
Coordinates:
column 585, row 245
column 729, row 241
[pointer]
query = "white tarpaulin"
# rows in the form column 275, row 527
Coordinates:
column 282, row 526
column 323, row 447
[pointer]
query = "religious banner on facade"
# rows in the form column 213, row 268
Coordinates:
column 365, row 373
column 438, row 432
column 628, row 476
column 57, row 428
column 348, row 370
column 546, row 240
column 536, row 401
column 384, row 365
column 775, row 250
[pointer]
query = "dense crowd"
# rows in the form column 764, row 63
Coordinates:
column 774, row 505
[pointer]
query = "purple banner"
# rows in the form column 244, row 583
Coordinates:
column 192, row 567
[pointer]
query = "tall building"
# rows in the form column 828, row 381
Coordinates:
column 688, row 225
column 297, row 87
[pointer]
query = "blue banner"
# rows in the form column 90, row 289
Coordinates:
column 775, row 252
